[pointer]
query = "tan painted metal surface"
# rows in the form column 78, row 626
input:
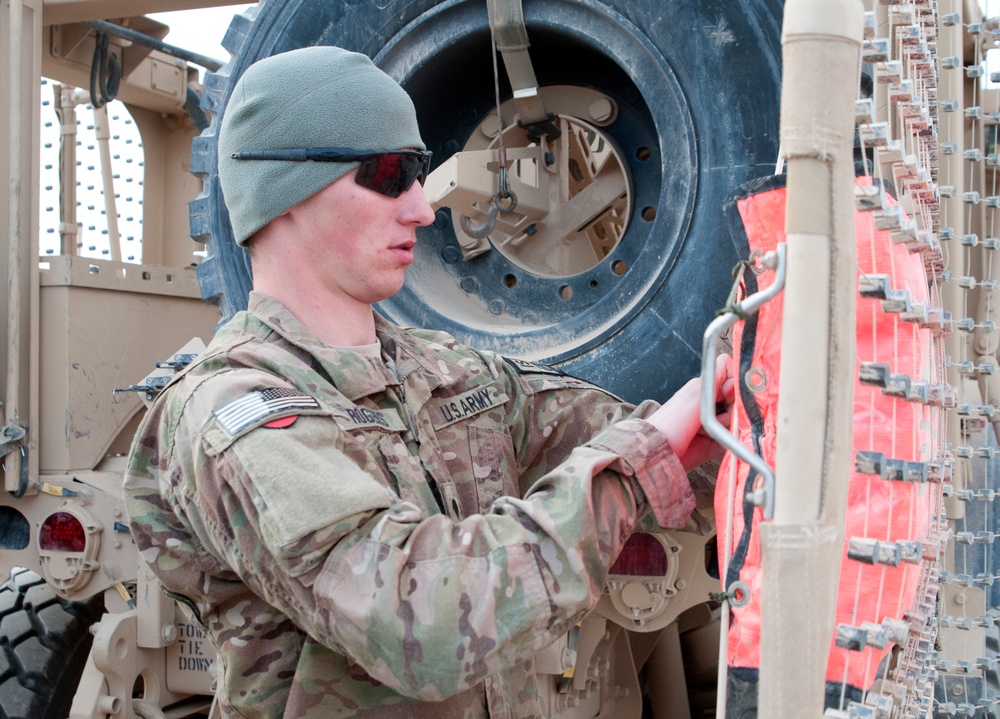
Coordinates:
column 19, row 303
column 103, row 324
column 150, row 78
column 79, row 329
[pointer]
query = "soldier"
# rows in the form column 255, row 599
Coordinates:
column 370, row 521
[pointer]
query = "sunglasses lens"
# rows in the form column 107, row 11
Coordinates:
column 393, row 173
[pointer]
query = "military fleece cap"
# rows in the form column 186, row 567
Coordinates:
column 312, row 97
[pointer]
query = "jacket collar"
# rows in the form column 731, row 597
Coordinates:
column 356, row 375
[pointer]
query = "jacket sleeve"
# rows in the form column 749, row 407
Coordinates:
column 552, row 413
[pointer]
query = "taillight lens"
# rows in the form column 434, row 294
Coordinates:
column 642, row 556
column 62, row 532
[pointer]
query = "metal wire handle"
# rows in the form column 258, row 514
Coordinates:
column 763, row 496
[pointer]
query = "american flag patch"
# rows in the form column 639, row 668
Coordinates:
column 251, row 408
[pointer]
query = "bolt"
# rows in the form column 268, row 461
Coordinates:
column 169, row 633
column 531, row 229
column 469, row 284
column 450, row 254
column 108, row 704
column 600, row 109
column 956, row 690
column 550, row 159
column 497, row 307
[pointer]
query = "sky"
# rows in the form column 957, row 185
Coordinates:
column 200, row 31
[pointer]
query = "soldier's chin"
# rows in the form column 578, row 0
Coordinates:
column 386, row 292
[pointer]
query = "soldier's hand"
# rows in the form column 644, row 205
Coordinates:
column 680, row 421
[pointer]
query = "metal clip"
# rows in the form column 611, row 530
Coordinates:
column 179, row 361
column 12, row 437
column 152, row 387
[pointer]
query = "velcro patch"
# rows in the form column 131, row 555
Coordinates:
column 525, row 367
column 449, row 410
column 367, row 418
column 251, row 408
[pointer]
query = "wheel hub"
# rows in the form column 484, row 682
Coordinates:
column 573, row 191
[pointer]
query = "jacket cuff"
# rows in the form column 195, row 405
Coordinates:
column 648, row 458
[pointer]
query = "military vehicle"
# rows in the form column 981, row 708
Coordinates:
column 579, row 189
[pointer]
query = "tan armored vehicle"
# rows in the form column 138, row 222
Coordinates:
column 578, row 189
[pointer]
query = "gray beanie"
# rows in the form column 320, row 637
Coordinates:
column 313, row 97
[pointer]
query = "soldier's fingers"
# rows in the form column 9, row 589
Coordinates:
column 724, row 380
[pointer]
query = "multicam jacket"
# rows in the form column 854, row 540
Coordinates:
column 391, row 536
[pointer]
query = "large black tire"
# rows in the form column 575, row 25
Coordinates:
column 44, row 644
column 697, row 86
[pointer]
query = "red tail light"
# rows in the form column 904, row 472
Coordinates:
column 62, row 532
column 642, row 556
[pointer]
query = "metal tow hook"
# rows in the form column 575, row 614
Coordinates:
column 483, row 229
column 504, row 192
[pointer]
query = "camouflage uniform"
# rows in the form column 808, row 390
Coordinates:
column 389, row 536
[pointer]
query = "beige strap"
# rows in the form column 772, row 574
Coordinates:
column 511, row 36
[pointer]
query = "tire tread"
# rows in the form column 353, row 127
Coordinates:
column 44, row 643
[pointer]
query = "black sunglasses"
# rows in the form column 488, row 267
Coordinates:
column 387, row 173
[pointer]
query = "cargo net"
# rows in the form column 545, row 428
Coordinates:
column 917, row 616
column 917, row 630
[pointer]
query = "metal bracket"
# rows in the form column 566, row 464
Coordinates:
column 179, row 361
column 166, row 370
column 151, row 387
column 763, row 495
column 545, row 127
